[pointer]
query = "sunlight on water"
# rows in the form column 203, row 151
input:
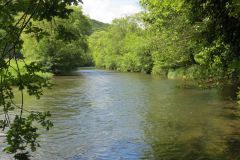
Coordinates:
column 108, row 115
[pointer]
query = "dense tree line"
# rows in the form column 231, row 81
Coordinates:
column 64, row 46
column 179, row 38
column 122, row 46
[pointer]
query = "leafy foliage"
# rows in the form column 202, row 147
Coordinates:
column 203, row 34
column 15, row 17
column 199, row 37
column 219, row 23
column 23, row 134
column 98, row 26
column 123, row 46
column 65, row 47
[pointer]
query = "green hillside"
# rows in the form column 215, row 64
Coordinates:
column 97, row 25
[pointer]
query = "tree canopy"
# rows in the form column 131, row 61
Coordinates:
column 200, row 39
column 122, row 46
column 185, row 39
column 65, row 47
column 15, row 18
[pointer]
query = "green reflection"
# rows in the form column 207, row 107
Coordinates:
column 192, row 125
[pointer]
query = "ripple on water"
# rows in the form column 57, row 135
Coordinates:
column 107, row 115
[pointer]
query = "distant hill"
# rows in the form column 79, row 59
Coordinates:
column 97, row 25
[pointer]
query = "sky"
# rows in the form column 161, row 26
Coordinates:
column 107, row 10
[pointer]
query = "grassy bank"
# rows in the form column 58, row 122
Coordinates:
column 21, row 66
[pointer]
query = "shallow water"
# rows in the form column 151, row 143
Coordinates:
column 107, row 115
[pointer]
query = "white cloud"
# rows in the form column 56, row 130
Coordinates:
column 107, row 10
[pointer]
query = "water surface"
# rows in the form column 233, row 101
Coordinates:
column 103, row 115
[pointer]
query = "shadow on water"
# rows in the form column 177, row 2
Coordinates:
column 229, row 91
column 193, row 125
column 107, row 115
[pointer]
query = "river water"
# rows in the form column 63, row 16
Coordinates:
column 104, row 115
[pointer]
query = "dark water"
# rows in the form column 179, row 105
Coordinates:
column 100, row 115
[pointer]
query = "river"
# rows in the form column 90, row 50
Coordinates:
column 105, row 115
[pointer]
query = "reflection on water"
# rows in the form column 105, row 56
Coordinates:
column 108, row 115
